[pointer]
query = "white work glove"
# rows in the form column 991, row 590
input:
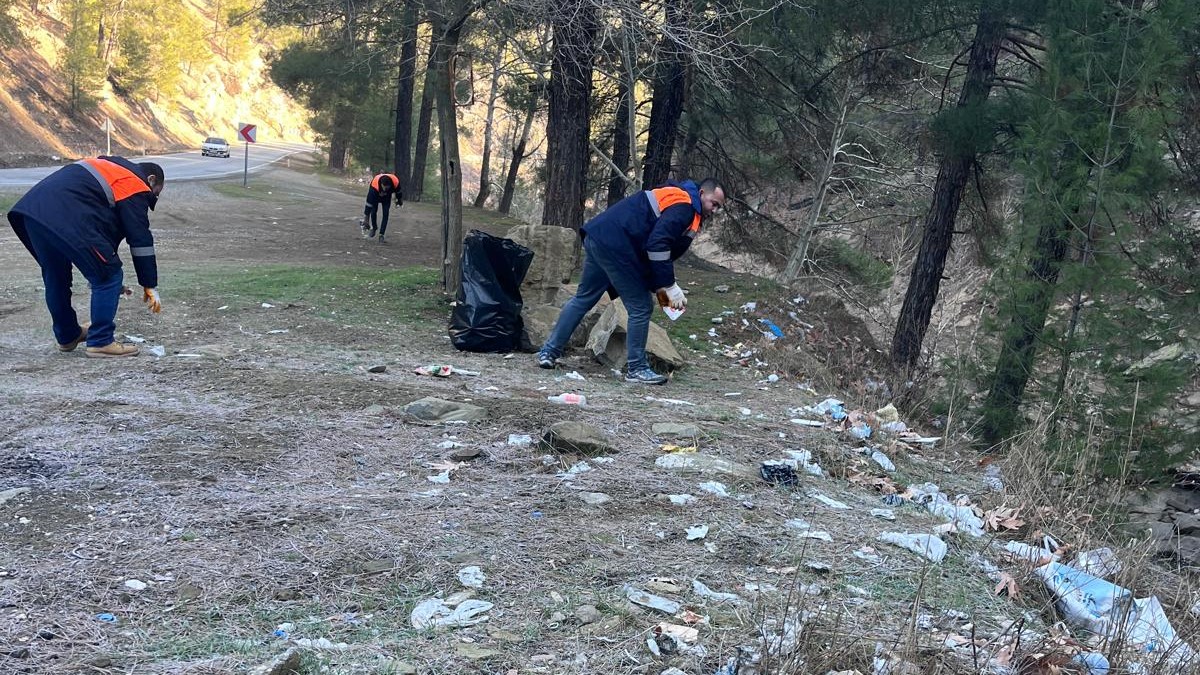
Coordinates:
column 150, row 297
column 675, row 297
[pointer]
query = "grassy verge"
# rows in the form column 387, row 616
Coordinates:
column 704, row 303
column 346, row 294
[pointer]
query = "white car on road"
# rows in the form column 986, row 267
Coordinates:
column 216, row 147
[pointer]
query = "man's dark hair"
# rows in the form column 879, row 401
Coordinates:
column 385, row 183
column 152, row 169
column 709, row 184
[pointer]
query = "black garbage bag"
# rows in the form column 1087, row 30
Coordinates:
column 487, row 317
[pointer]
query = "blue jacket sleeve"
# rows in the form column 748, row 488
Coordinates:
column 670, row 228
column 133, row 213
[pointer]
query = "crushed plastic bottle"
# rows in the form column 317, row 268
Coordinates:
column 568, row 399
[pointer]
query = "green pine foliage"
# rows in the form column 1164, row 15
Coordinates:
column 79, row 58
column 1078, row 304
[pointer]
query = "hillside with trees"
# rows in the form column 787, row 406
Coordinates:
column 1007, row 190
column 165, row 74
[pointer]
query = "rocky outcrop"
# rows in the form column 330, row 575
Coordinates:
column 555, row 259
column 607, row 341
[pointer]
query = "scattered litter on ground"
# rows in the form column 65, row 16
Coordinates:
column 594, row 498
column 438, row 613
column 669, row 401
column 520, row 440
column 713, row 487
column 814, row 534
column 136, row 339
column 886, row 514
column 568, row 399
column 709, row 594
column 830, row 502
column 472, row 577
column 321, row 644
column 573, row 375
column 443, row 370
column 960, row 512
column 135, row 585
column 671, row 447
column 879, row 458
column 697, row 532
column 928, row 545
column 639, row 597
column 449, row 445
column 105, row 617
column 576, row 469
column 681, row 500
column 12, row 493
column 279, row 331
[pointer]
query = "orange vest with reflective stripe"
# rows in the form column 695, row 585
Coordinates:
column 666, row 197
column 395, row 181
column 117, row 181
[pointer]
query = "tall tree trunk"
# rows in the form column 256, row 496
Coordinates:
column 953, row 172
column 666, row 104
column 416, row 186
column 339, row 141
column 800, row 252
column 617, row 184
column 489, row 129
column 1031, row 305
column 405, row 83
column 568, row 122
column 518, row 155
column 445, row 40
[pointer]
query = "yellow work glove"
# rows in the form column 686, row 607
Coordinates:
column 150, row 297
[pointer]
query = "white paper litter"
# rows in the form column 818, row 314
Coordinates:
column 472, row 577
column 436, row 613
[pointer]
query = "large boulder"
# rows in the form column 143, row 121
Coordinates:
column 607, row 341
column 555, row 259
column 540, row 319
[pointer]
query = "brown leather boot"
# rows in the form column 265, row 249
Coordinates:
column 112, row 350
column 70, row 346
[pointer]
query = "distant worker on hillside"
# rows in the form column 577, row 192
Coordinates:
column 78, row 216
column 631, row 249
column 382, row 187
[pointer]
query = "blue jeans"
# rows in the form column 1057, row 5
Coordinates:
column 601, row 269
column 54, row 258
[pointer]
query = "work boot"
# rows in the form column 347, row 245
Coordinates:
column 645, row 376
column 545, row 360
column 372, row 234
column 112, row 350
column 382, row 240
column 70, row 346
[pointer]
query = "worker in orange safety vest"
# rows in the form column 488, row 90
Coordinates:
column 78, row 216
column 383, row 186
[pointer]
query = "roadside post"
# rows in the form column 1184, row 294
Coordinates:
column 107, row 127
column 249, row 134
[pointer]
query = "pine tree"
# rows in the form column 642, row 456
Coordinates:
column 79, row 58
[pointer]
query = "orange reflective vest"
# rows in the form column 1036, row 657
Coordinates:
column 117, row 182
column 392, row 176
column 665, row 197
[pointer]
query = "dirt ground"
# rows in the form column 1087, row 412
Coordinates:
column 258, row 476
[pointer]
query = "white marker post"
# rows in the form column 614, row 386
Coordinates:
column 249, row 134
column 107, row 127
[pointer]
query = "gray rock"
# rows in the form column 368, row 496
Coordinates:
column 1157, row 357
column 1183, row 500
column 375, row 409
column 539, row 320
column 594, row 498
column 431, row 409
column 607, row 341
column 705, row 464
column 721, row 289
column 587, row 614
column 674, row 430
column 577, row 437
column 377, row 369
column 555, row 259
column 1162, row 537
column 1187, row 523
column 287, row 663
column 1148, row 503
column 1188, row 550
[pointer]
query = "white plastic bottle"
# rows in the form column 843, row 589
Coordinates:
column 568, row 399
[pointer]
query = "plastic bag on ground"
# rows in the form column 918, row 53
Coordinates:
column 928, row 545
column 487, row 316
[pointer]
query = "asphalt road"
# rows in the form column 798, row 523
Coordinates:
column 181, row 166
